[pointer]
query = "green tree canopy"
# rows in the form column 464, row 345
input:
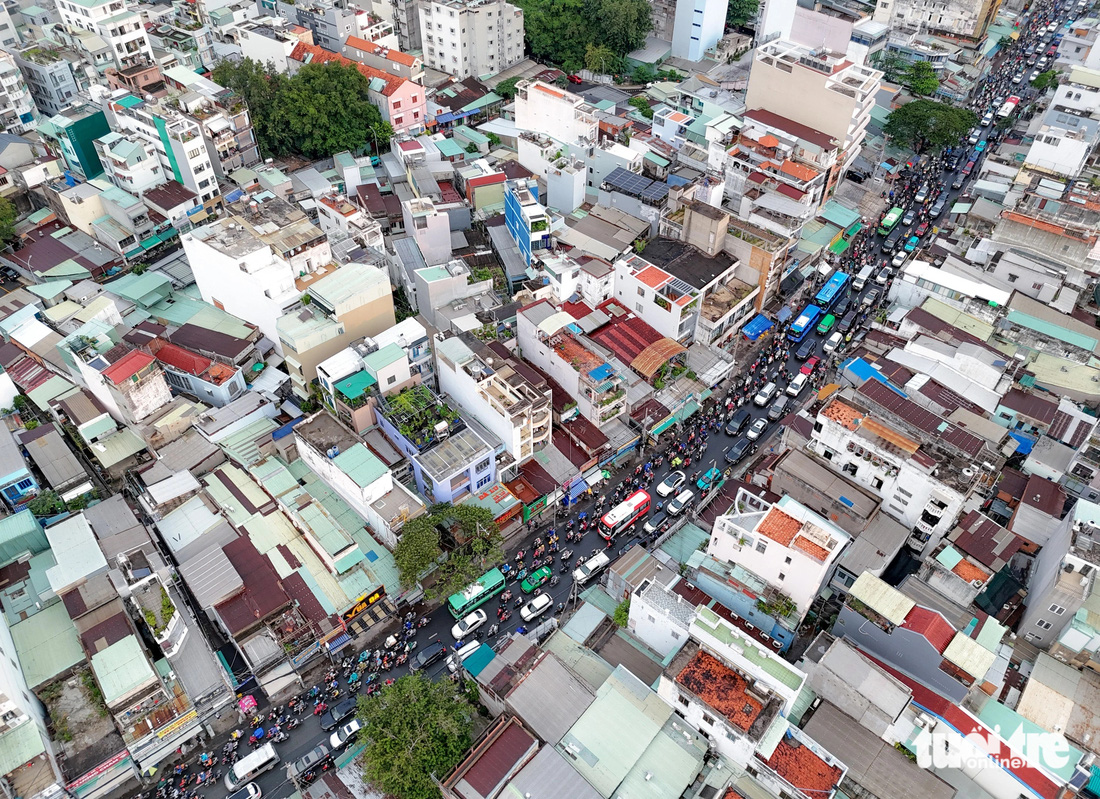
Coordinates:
column 893, row 67
column 8, row 215
column 477, row 547
column 738, row 12
column 415, row 729
column 507, row 88
column 321, row 110
column 926, row 123
column 921, row 78
column 560, row 31
column 599, row 58
column 1045, row 80
column 642, row 105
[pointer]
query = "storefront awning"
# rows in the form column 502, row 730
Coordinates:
column 784, row 314
column 577, row 488
column 757, row 327
column 839, row 246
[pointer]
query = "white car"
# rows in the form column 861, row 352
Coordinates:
column 467, row 625
column 764, row 395
column 899, row 259
column 670, row 484
column 344, row 735
column 682, row 500
column 536, row 607
column 833, row 343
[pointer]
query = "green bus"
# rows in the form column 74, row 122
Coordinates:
column 826, row 324
column 890, row 221
column 476, row 594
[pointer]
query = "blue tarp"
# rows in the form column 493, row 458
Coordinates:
column 1024, row 443
column 601, row 372
column 757, row 327
column 577, row 489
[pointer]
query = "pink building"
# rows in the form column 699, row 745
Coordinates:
column 402, row 102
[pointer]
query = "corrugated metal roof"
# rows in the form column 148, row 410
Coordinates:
column 47, row 644
column 885, row 600
column 121, row 668
column 969, row 655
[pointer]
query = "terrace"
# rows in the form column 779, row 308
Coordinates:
column 724, row 298
column 420, row 416
column 743, row 706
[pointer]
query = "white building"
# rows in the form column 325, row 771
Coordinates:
column 249, row 266
column 788, row 546
column 1058, row 152
column 338, row 216
column 561, row 115
column 116, row 23
column 471, row 38
column 491, row 390
column 18, row 113
column 130, row 162
column 697, row 27
column 430, row 227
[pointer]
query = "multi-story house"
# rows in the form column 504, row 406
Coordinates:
column 340, row 219
column 967, row 20
column 131, row 163
column 250, row 262
column 549, row 111
column 222, row 116
column 471, row 38
column 527, row 219
column 697, row 27
column 191, row 47
column 388, row 59
column 18, row 114
column 504, row 395
column 73, row 135
column 823, row 90
column 49, row 72
column 788, row 546
column 344, row 304
column 579, row 365
column 116, row 23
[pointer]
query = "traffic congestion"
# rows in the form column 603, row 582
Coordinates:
column 570, row 545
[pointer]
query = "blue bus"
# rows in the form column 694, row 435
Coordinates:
column 804, row 323
column 831, row 293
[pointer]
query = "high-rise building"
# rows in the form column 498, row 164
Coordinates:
column 697, row 27
column 471, row 38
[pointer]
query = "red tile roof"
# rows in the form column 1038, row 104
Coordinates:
column 183, row 360
column 389, row 53
column 931, row 625
column 127, row 366
column 779, row 526
column 312, row 54
column 653, row 277
column 804, row 769
column 721, row 688
column 497, row 760
column 815, row 551
column 822, row 140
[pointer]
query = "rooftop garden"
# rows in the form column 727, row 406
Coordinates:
column 416, row 411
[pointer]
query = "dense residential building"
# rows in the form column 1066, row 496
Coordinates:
column 968, row 20
column 117, row 24
column 471, row 39
column 50, row 75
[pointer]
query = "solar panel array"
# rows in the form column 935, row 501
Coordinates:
column 630, row 183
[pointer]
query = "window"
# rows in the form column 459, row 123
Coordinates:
column 762, row 546
column 25, row 484
column 1012, row 278
column 391, row 380
column 676, row 635
column 1043, row 624
column 707, row 720
column 484, row 481
column 683, row 700
column 787, row 559
column 1057, row 610
column 641, row 291
column 782, row 576
column 903, row 492
column 877, row 482
column 483, row 465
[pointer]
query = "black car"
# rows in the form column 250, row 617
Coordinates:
column 336, row 715
column 892, row 241
column 738, row 422
column 630, row 544
column 741, row 447
column 842, row 307
column 805, row 349
column 427, row 656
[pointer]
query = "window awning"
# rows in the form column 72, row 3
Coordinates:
column 757, row 327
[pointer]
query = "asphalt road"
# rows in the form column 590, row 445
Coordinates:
column 275, row 784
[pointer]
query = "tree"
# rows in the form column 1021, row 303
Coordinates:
column 46, row 504
column 559, row 31
column 621, row 25
column 926, row 123
column 507, row 88
column 8, row 215
column 642, row 104
column 893, row 67
column 324, row 109
column 417, row 549
column 739, row 12
column 259, row 89
column 494, row 140
column 415, row 729
column 921, row 78
column 1045, row 80
column 598, row 58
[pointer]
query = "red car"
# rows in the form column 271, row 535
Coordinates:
column 922, row 228
column 810, row 365
column 575, row 79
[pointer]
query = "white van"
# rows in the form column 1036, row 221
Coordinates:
column 861, row 279
column 590, row 568
column 460, row 656
column 251, row 766
column 796, row 385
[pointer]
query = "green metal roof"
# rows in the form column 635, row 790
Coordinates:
column 450, row 148
column 1008, row 723
column 1052, row 330
column 21, row 533
column 47, row 644
column 242, row 446
column 100, row 427
column 19, row 746
column 949, row 557
column 390, row 354
column 361, row 465
column 495, row 498
column 54, row 387
column 839, row 215
column 657, row 159
column 357, row 385
column 471, row 135
column 121, row 668
column 117, row 448
column 51, row 289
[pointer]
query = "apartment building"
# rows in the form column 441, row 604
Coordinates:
column 18, row 114
column 822, row 90
column 959, row 19
column 697, row 27
column 527, row 219
column 503, row 394
column 222, row 116
column 342, row 220
column 117, row 23
column 561, row 115
column 471, row 38
column 130, row 163
column 388, row 59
